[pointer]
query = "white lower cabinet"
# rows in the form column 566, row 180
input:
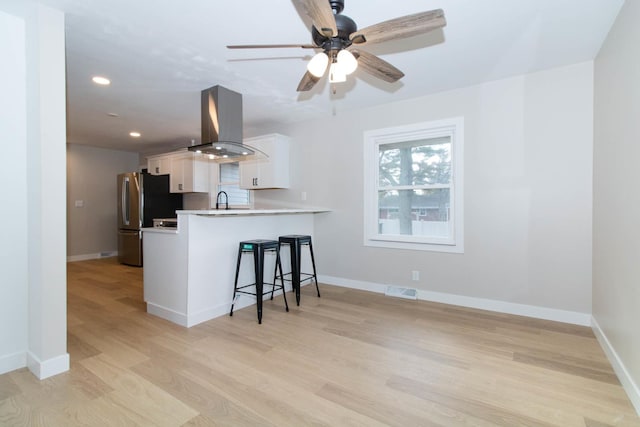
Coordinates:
column 270, row 172
column 189, row 173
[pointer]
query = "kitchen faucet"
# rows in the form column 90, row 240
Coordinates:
column 226, row 199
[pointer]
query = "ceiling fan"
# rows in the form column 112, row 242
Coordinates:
column 339, row 38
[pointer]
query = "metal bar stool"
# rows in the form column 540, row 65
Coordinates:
column 295, row 242
column 258, row 248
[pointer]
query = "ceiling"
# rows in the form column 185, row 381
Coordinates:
column 159, row 55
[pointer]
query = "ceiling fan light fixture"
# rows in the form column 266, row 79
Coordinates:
column 347, row 62
column 318, row 64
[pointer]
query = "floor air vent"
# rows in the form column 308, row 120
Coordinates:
column 406, row 293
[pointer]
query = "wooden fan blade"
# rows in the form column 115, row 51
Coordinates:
column 308, row 82
column 399, row 28
column 271, row 46
column 377, row 67
column 321, row 14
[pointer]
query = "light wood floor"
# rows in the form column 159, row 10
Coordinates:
column 350, row 358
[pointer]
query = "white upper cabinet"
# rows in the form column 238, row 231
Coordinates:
column 159, row 165
column 270, row 172
column 189, row 173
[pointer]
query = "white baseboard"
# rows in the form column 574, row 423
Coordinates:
column 47, row 368
column 536, row 312
column 564, row 316
column 220, row 310
column 86, row 257
column 629, row 385
column 11, row 362
column 353, row 284
column 189, row 320
column 167, row 314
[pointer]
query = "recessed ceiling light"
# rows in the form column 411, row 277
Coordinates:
column 101, row 80
column 135, row 134
column 113, row 115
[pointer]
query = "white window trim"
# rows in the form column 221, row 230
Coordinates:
column 453, row 127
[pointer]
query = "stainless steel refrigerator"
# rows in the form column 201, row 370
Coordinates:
column 141, row 198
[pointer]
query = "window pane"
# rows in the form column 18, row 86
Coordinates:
column 425, row 162
column 229, row 172
column 230, row 183
column 237, row 196
column 414, row 212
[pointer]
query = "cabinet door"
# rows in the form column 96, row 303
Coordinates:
column 189, row 174
column 271, row 172
column 198, row 171
column 250, row 174
column 160, row 165
column 176, row 177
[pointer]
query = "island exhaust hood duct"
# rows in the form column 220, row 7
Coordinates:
column 221, row 116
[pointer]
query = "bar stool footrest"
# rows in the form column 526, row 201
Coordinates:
column 264, row 292
column 309, row 276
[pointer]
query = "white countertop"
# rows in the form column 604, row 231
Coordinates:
column 225, row 212
column 231, row 212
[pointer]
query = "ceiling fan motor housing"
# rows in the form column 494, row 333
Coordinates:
column 337, row 5
column 345, row 26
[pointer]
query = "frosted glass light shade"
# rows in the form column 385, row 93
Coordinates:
column 336, row 74
column 348, row 62
column 318, row 64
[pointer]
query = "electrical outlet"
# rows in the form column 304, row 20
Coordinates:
column 415, row 275
column 303, row 196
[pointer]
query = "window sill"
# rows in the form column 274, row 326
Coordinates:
column 415, row 246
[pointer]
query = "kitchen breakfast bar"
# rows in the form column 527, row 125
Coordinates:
column 189, row 271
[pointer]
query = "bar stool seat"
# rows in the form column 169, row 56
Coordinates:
column 258, row 248
column 295, row 242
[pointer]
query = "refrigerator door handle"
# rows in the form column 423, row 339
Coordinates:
column 125, row 201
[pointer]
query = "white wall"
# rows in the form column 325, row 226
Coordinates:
column 91, row 179
column 616, row 210
column 38, row 169
column 528, row 193
column 13, row 246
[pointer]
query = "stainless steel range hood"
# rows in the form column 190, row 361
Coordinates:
column 221, row 117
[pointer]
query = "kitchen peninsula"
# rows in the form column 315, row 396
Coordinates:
column 189, row 271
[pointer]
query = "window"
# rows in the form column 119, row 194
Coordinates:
column 413, row 186
column 229, row 182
